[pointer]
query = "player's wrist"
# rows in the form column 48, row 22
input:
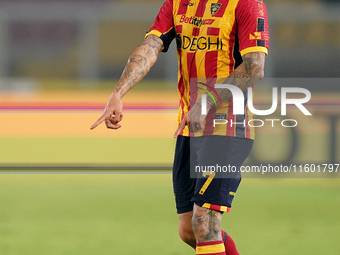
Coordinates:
column 117, row 93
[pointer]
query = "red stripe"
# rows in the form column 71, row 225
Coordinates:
column 230, row 117
column 201, row 8
column 219, row 253
column 183, row 7
column 181, row 89
column 221, row 11
column 209, row 122
column 195, row 31
column 218, row 96
column 211, row 64
column 231, row 49
column 192, row 71
column 215, row 207
column 211, row 74
column 181, row 105
column 179, row 29
column 209, row 243
column 180, row 82
column 181, row 11
column 213, row 31
column 70, row 106
column 191, row 65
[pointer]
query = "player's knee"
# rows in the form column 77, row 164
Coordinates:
column 185, row 229
column 187, row 235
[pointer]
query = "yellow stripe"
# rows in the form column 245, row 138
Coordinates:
column 223, row 208
column 225, row 31
column 210, row 249
column 186, row 30
column 186, row 84
column 223, row 56
column 254, row 49
column 156, row 33
column 153, row 32
column 206, row 205
column 175, row 6
column 205, row 186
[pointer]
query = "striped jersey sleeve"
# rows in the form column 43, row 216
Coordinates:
column 164, row 25
column 252, row 26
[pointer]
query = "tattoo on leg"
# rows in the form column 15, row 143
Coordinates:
column 206, row 224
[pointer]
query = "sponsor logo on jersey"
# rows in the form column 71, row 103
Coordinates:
column 214, row 8
column 258, row 36
column 196, row 21
column 199, row 43
column 255, row 36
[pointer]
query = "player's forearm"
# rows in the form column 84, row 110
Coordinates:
column 244, row 76
column 139, row 64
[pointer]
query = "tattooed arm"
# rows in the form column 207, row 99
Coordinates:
column 244, row 76
column 139, row 64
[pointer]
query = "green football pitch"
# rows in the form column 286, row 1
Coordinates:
column 135, row 214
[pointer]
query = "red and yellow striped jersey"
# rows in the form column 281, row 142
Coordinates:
column 212, row 36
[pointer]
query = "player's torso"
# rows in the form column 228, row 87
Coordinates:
column 207, row 48
column 205, row 36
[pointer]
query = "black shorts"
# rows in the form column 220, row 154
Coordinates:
column 205, row 188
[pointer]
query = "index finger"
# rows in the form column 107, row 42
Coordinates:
column 100, row 120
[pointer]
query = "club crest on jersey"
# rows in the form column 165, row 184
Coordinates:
column 214, row 8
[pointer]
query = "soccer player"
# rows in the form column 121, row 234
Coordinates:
column 216, row 40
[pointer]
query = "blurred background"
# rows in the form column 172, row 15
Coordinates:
column 87, row 39
column 59, row 62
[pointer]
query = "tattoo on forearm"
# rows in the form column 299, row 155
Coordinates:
column 139, row 63
column 244, row 76
column 207, row 225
